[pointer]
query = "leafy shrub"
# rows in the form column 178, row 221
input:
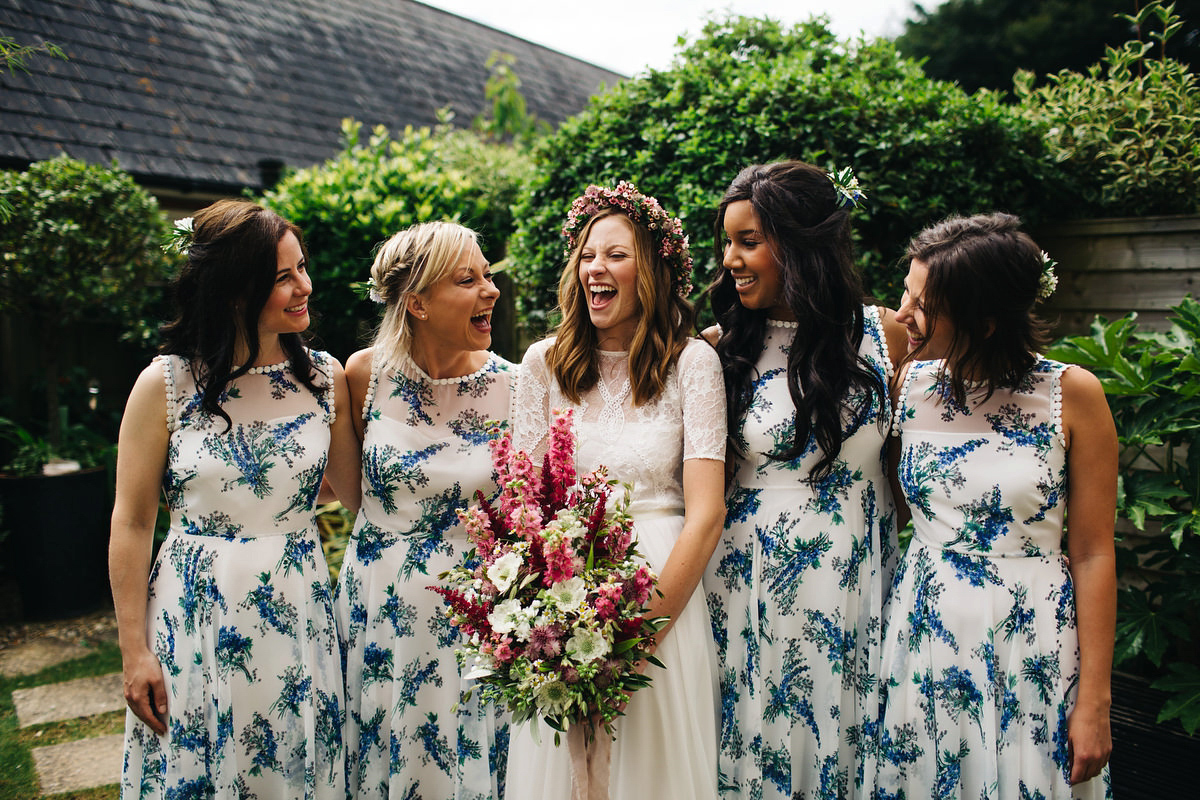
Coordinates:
column 378, row 186
column 82, row 243
column 749, row 90
column 1153, row 385
column 1125, row 133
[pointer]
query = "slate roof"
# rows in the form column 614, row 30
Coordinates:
column 194, row 94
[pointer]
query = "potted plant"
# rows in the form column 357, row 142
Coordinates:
column 56, row 559
column 81, row 244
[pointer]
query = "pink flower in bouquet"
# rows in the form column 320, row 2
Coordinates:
column 552, row 606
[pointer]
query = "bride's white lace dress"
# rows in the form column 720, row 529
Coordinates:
column 666, row 745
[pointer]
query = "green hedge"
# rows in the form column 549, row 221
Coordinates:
column 750, row 90
column 374, row 188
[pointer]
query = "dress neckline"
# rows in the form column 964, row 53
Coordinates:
column 420, row 374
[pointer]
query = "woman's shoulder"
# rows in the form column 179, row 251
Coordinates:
column 698, row 354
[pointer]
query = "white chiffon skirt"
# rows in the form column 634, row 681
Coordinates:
column 666, row 745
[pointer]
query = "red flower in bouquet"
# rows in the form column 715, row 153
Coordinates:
column 552, row 605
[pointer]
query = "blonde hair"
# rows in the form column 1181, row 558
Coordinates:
column 409, row 263
column 662, row 328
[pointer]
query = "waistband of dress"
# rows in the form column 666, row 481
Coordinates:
column 655, row 513
column 981, row 554
column 258, row 534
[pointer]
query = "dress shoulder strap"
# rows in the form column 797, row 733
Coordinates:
column 171, row 366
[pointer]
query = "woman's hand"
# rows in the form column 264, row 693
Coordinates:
column 145, row 689
column 1089, row 742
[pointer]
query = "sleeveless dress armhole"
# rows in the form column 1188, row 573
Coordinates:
column 1056, row 404
column 874, row 320
column 372, row 382
column 168, row 370
column 323, row 363
column 902, row 399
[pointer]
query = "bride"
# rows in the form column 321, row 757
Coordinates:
column 650, row 406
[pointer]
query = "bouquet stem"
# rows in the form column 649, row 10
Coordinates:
column 591, row 752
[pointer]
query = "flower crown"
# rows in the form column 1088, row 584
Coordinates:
column 1047, row 281
column 670, row 241
column 179, row 238
column 846, row 185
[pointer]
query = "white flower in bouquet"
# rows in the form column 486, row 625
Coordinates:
column 510, row 617
column 503, row 571
column 568, row 595
column 586, row 645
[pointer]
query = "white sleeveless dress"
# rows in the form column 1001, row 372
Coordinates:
column 240, row 609
column 411, row 729
column 981, row 654
column 666, row 745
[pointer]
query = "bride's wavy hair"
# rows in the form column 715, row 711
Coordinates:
column 983, row 282
column 219, row 295
column 832, row 387
column 663, row 327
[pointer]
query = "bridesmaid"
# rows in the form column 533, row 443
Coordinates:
column 228, row 642
column 998, row 649
column 797, row 584
column 425, row 396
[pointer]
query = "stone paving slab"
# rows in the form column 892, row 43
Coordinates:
column 83, row 764
column 78, row 698
column 37, row 654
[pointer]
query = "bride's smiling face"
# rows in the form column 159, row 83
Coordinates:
column 608, row 275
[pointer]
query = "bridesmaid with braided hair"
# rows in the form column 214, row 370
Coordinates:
column 425, row 397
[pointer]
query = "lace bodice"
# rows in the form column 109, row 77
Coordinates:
column 644, row 445
column 260, row 476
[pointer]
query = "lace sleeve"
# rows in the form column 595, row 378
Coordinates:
column 530, row 412
column 702, row 390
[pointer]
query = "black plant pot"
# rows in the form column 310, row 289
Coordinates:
column 57, row 544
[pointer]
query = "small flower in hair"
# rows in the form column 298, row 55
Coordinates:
column 849, row 193
column 368, row 289
column 179, row 238
column 1047, row 281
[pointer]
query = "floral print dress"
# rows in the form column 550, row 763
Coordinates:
column 240, row 608
column 981, row 656
column 796, row 590
column 414, row 728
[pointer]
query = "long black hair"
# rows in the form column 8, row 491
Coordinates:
column 808, row 232
column 220, row 292
column 984, row 280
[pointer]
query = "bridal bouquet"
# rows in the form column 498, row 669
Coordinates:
column 551, row 605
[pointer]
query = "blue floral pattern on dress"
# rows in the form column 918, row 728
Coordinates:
column 414, row 728
column 240, row 609
column 795, row 590
column 980, row 655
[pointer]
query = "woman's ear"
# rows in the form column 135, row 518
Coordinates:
column 415, row 305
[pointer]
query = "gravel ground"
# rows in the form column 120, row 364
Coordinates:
column 96, row 626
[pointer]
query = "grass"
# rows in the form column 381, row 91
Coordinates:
column 18, row 779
